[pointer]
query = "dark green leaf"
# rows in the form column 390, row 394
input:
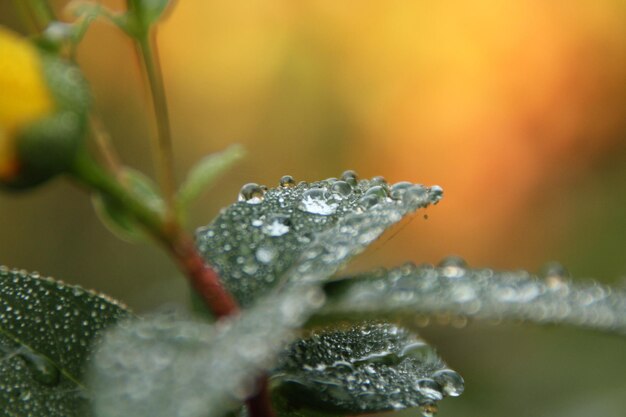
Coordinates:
column 454, row 289
column 116, row 218
column 302, row 233
column 165, row 366
column 204, row 173
column 47, row 330
column 367, row 368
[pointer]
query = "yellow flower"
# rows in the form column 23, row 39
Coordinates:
column 24, row 95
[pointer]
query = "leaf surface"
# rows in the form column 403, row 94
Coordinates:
column 453, row 288
column 370, row 367
column 47, row 329
column 302, row 233
column 167, row 366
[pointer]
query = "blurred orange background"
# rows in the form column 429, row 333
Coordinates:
column 516, row 108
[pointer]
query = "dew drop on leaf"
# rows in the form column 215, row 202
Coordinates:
column 251, row 193
column 378, row 191
column 350, row 177
column 429, row 389
column 450, row 381
column 276, row 225
column 342, row 188
column 318, row 201
column 378, row 180
column 265, row 254
column 287, row 181
column 368, row 201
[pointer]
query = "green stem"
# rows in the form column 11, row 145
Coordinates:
column 41, row 13
column 25, row 16
column 148, row 51
column 178, row 244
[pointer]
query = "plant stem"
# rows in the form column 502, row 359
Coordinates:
column 260, row 404
column 25, row 16
column 148, row 51
column 35, row 14
column 105, row 147
column 41, row 12
column 178, row 244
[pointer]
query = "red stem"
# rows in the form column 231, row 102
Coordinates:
column 202, row 277
column 260, row 404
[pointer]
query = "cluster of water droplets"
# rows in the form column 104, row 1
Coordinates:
column 46, row 332
column 369, row 367
column 303, row 227
column 451, row 288
column 167, row 365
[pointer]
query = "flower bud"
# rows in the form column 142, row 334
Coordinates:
column 43, row 111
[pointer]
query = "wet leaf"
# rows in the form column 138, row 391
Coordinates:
column 368, row 368
column 46, row 332
column 455, row 290
column 116, row 218
column 205, row 172
column 304, row 232
column 167, row 366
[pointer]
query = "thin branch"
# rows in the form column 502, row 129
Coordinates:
column 149, row 55
column 103, row 143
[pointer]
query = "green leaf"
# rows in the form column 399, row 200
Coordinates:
column 204, row 173
column 47, row 329
column 166, row 366
column 370, row 367
column 304, row 232
column 453, row 289
column 116, row 218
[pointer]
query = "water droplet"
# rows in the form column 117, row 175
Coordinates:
column 368, row 201
column 436, row 193
column 556, row 276
column 418, row 350
column 265, row 254
column 450, row 381
column 429, row 389
column 277, row 225
column 342, row 188
column 377, row 190
column 43, row 370
column 415, row 195
column 317, row 201
column 251, row 193
column 287, row 181
column 555, row 269
column 452, row 260
column 399, row 188
column 378, row 181
column 350, row 177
